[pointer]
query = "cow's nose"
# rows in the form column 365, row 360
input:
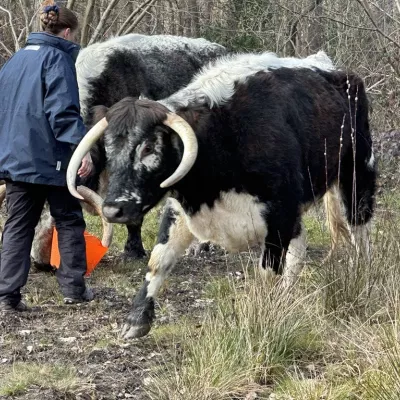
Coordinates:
column 112, row 213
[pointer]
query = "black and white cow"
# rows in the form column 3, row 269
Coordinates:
column 135, row 65
column 245, row 148
column 132, row 65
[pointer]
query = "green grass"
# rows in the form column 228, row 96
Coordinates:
column 250, row 337
column 149, row 230
column 317, row 232
column 21, row 376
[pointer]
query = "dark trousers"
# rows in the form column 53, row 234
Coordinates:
column 25, row 203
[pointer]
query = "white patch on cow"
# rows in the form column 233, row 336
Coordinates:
column 151, row 161
column 167, row 257
column 295, row 257
column 236, row 222
column 360, row 237
column 91, row 61
column 129, row 196
column 120, row 157
column 164, row 256
column 215, row 84
column 371, row 161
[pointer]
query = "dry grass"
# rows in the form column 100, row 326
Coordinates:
column 334, row 336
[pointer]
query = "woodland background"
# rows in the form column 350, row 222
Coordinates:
column 222, row 332
column 362, row 35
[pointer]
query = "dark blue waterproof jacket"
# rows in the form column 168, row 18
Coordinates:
column 40, row 120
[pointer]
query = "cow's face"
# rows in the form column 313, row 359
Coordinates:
column 141, row 153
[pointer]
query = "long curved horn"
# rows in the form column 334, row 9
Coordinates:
column 2, row 193
column 190, row 147
column 96, row 202
column 84, row 146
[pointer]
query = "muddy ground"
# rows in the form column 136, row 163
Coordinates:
column 87, row 336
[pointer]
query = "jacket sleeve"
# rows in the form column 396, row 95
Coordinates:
column 61, row 103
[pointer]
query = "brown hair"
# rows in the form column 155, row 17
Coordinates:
column 54, row 19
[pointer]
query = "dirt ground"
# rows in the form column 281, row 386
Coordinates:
column 87, row 336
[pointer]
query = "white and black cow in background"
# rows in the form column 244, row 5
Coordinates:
column 153, row 67
column 135, row 65
column 245, row 148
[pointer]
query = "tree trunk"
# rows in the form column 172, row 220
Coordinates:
column 194, row 11
column 87, row 19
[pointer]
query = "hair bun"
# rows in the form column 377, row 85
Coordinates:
column 51, row 8
column 49, row 16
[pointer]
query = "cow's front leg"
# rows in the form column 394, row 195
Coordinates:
column 295, row 256
column 134, row 249
column 282, row 226
column 174, row 238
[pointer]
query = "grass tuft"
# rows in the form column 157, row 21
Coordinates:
column 58, row 377
column 247, row 338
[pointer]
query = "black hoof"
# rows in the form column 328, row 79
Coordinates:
column 44, row 267
column 134, row 332
column 134, row 255
column 139, row 321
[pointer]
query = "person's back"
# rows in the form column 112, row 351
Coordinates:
column 39, row 110
column 41, row 125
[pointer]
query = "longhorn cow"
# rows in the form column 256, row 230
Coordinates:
column 245, row 148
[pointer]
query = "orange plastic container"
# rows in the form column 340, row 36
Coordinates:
column 94, row 251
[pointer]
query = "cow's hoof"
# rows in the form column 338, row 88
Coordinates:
column 135, row 331
column 134, row 255
column 44, row 267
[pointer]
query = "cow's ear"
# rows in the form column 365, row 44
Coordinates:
column 98, row 113
column 191, row 116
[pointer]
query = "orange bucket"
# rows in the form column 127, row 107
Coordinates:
column 94, row 251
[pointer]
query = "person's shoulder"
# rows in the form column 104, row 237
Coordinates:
column 57, row 59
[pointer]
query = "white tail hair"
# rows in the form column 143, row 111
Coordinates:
column 336, row 223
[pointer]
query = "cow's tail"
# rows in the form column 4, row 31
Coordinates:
column 2, row 193
column 335, row 220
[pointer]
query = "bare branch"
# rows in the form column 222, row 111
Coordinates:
column 103, row 20
column 85, row 23
column 369, row 89
column 140, row 17
column 22, row 33
column 24, row 7
column 116, row 18
column 131, row 16
column 368, row 11
column 293, row 26
column 17, row 47
column 70, row 4
column 34, row 16
column 398, row 5
column 9, row 52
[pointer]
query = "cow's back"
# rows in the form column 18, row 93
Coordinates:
column 133, row 65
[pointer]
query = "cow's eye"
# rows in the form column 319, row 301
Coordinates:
column 146, row 150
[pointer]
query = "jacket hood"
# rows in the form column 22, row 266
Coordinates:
column 43, row 38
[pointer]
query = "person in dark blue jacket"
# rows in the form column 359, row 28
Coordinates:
column 40, row 127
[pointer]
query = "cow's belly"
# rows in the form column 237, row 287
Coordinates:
column 235, row 222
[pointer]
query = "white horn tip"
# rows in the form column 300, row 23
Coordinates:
column 106, row 243
column 74, row 193
column 164, row 185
